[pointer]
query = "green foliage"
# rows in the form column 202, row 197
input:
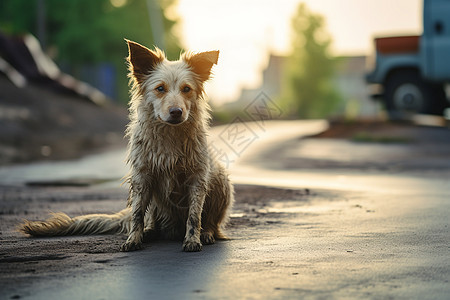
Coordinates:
column 90, row 31
column 17, row 17
column 87, row 31
column 309, row 90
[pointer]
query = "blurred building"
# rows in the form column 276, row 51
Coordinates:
column 271, row 85
column 349, row 80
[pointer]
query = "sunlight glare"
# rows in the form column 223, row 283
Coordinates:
column 118, row 3
column 247, row 32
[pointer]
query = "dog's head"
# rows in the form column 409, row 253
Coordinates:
column 173, row 88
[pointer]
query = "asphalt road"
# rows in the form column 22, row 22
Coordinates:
column 296, row 233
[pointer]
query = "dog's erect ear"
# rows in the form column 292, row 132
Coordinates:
column 201, row 63
column 141, row 59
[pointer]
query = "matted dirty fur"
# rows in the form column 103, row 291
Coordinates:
column 177, row 188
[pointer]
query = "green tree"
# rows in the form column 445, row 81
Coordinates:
column 309, row 91
column 90, row 31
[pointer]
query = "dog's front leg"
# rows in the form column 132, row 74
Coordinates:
column 139, row 201
column 193, row 225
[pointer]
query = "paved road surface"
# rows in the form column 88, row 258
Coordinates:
column 323, row 234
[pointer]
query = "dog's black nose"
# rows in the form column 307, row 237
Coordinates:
column 175, row 112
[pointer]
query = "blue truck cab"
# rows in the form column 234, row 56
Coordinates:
column 411, row 71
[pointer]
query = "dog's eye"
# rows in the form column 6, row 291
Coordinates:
column 160, row 89
column 186, row 89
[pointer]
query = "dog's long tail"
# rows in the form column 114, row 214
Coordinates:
column 61, row 224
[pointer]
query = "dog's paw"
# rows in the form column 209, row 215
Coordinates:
column 189, row 246
column 207, row 238
column 130, row 246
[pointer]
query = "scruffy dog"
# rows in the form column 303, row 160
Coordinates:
column 177, row 188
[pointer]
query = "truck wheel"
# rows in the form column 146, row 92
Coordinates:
column 407, row 93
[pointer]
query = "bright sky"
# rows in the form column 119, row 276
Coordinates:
column 246, row 31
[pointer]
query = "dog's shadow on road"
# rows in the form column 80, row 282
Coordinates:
column 161, row 269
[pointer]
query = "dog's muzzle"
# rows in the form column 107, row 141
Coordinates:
column 176, row 115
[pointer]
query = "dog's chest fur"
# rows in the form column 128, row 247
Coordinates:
column 171, row 150
column 173, row 159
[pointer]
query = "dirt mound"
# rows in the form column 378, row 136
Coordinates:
column 39, row 123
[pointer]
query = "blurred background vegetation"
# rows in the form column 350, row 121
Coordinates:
column 86, row 36
column 302, row 84
column 309, row 91
column 86, row 40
